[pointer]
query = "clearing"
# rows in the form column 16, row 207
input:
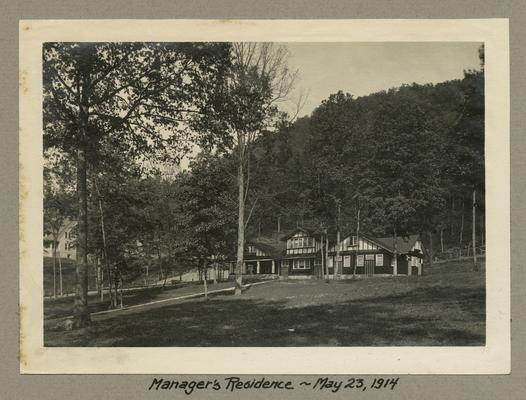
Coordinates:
column 445, row 307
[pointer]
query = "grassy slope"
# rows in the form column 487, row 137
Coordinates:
column 446, row 307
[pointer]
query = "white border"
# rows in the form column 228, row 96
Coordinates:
column 494, row 358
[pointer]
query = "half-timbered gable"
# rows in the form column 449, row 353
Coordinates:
column 302, row 253
column 302, row 242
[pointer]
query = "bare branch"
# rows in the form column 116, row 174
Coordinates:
column 251, row 211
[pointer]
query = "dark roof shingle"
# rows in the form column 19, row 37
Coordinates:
column 404, row 244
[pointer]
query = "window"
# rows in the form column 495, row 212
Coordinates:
column 360, row 262
column 330, row 262
column 369, row 257
column 252, row 249
column 347, row 261
column 300, row 263
column 380, row 260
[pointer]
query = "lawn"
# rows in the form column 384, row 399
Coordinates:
column 445, row 307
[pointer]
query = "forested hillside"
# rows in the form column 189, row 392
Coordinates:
column 408, row 159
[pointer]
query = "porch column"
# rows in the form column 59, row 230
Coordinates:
column 257, row 267
column 395, row 266
column 273, row 267
column 410, row 267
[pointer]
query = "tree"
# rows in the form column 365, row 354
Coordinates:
column 209, row 212
column 129, row 98
column 244, row 106
column 57, row 209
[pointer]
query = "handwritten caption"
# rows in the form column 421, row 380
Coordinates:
column 235, row 383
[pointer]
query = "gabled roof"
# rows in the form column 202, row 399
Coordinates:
column 68, row 224
column 271, row 245
column 309, row 232
column 404, row 244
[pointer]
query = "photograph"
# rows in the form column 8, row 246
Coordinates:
column 231, row 192
column 263, row 194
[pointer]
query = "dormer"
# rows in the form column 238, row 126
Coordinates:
column 253, row 250
column 301, row 241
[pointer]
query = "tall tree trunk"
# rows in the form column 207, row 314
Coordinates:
column 357, row 243
column 327, row 254
column 395, row 253
column 240, row 226
column 430, row 248
column 159, row 256
column 452, row 214
column 97, row 276
column 482, row 229
column 279, row 224
column 54, row 269
column 101, row 294
column 60, row 277
column 148, row 273
column 442, row 240
column 121, row 284
column 205, row 283
column 322, row 272
column 159, row 259
column 148, row 258
column 461, row 230
column 113, row 295
column 474, row 231
column 337, row 263
column 81, row 314
column 215, row 273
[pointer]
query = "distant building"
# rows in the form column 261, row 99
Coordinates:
column 299, row 255
column 66, row 241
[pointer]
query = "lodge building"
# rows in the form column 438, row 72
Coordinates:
column 299, row 255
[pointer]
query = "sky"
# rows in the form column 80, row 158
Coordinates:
column 364, row 68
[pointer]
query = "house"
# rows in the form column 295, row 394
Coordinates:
column 375, row 256
column 65, row 241
column 302, row 256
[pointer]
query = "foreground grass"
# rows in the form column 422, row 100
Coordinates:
column 446, row 307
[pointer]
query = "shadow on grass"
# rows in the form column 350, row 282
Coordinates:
column 436, row 316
